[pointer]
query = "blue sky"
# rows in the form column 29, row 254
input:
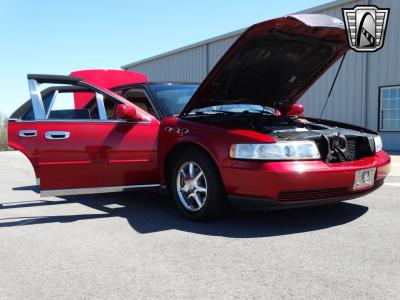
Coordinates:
column 56, row 37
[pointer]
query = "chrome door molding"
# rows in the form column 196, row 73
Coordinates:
column 100, row 106
column 27, row 133
column 36, row 98
column 57, row 135
column 97, row 190
column 53, row 99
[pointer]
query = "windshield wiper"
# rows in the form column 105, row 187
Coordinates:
column 259, row 111
column 210, row 113
column 226, row 112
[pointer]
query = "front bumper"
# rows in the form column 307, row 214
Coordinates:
column 298, row 183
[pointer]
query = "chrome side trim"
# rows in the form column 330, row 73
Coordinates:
column 53, row 99
column 57, row 135
column 36, row 98
column 27, row 133
column 100, row 106
column 106, row 189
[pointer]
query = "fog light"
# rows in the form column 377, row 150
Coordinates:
column 365, row 176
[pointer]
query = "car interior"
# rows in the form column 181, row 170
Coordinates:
column 109, row 106
column 140, row 99
column 58, row 102
column 70, row 114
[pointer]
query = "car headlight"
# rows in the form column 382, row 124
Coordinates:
column 295, row 150
column 378, row 143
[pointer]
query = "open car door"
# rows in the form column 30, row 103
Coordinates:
column 79, row 149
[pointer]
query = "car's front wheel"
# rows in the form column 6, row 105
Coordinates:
column 196, row 186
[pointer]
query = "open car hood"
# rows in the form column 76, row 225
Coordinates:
column 273, row 63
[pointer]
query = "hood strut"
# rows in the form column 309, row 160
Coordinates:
column 333, row 84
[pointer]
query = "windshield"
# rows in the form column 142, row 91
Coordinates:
column 172, row 98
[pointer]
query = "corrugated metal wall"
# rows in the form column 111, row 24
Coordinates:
column 346, row 102
column 383, row 68
column 218, row 48
column 355, row 96
column 189, row 65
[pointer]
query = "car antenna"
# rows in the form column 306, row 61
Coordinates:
column 333, row 84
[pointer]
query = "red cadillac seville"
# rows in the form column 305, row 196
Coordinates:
column 238, row 139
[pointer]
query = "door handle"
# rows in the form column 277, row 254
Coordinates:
column 56, row 135
column 27, row 133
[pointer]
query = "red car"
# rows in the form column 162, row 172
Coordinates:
column 237, row 139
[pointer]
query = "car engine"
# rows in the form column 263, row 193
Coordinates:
column 336, row 142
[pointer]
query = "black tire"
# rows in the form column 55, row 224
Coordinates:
column 215, row 202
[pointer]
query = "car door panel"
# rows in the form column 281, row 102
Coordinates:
column 98, row 154
column 22, row 136
column 75, row 150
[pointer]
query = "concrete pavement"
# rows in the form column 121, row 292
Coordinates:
column 136, row 245
column 395, row 171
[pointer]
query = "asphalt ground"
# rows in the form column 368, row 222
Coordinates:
column 136, row 245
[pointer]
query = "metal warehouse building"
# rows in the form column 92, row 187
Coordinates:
column 367, row 91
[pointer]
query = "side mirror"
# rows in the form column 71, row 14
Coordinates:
column 296, row 110
column 126, row 112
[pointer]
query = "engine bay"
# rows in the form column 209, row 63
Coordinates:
column 336, row 143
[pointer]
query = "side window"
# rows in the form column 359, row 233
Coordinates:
column 389, row 108
column 28, row 116
column 140, row 99
column 47, row 100
column 68, row 105
column 109, row 105
column 59, row 103
column 70, row 102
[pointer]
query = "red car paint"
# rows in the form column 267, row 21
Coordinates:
column 249, row 178
column 98, row 155
column 120, row 153
column 296, row 110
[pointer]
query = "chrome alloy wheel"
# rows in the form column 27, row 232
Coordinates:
column 191, row 185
